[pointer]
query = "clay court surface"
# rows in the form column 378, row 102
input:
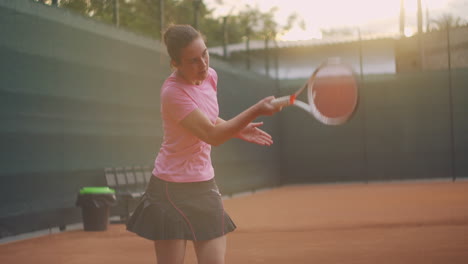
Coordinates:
column 402, row 222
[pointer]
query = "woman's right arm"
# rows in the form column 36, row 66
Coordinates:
column 216, row 134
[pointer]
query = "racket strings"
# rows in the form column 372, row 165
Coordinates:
column 332, row 94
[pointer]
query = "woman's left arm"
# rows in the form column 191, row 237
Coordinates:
column 252, row 133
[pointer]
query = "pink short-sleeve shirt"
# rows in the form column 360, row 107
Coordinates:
column 183, row 157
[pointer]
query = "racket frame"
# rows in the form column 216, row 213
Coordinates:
column 311, row 108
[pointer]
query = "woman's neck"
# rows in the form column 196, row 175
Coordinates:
column 181, row 75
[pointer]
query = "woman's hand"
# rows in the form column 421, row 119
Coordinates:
column 265, row 107
column 251, row 133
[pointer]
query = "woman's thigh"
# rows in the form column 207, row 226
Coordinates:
column 211, row 251
column 170, row 251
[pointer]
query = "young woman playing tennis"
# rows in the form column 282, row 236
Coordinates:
column 182, row 201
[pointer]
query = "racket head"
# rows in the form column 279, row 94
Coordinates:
column 332, row 92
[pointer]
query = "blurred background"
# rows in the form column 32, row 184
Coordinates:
column 80, row 79
column 269, row 37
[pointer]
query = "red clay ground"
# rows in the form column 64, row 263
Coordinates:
column 412, row 222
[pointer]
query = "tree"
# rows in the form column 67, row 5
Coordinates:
column 141, row 16
column 448, row 21
column 269, row 29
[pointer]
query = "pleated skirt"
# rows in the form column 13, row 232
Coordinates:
column 188, row 211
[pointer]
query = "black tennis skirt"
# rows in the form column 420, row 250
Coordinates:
column 187, row 211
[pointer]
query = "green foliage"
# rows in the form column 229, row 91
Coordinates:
column 143, row 17
column 448, row 21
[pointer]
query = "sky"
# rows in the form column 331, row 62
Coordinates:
column 373, row 17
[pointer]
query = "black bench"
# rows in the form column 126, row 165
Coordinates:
column 129, row 184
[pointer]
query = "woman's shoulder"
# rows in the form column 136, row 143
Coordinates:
column 171, row 88
column 213, row 75
column 212, row 72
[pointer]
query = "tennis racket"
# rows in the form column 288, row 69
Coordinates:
column 332, row 93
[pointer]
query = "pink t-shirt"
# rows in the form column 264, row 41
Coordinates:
column 183, row 157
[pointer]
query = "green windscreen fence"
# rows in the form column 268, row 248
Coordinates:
column 407, row 126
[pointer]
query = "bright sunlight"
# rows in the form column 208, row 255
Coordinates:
column 329, row 14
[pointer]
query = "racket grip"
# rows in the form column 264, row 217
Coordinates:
column 281, row 101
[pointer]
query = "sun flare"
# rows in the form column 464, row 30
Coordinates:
column 331, row 14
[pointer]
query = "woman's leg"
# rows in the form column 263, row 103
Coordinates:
column 170, row 251
column 211, row 251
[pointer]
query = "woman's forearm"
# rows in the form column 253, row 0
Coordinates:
column 221, row 131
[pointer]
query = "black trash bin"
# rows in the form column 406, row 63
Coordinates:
column 95, row 203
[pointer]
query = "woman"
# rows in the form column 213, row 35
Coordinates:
column 182, row 201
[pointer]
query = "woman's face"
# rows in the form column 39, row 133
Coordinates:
column 194, row 62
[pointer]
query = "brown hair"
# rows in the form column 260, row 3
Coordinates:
column 177, row 37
